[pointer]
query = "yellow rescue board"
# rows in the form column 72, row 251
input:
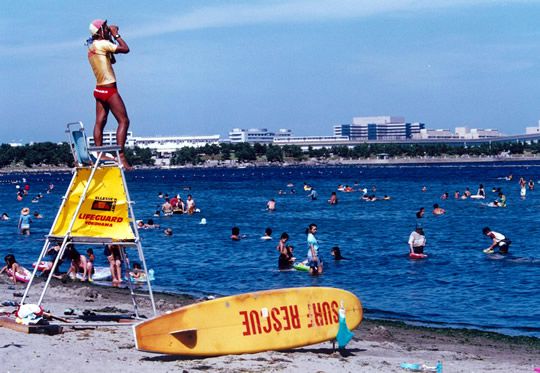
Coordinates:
column 252, row 322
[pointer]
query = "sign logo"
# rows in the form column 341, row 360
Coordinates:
column 104, row 204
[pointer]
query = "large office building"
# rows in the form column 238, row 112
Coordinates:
column 257, row 135
column 378, row 128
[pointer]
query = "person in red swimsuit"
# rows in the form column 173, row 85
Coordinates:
column 101, row 52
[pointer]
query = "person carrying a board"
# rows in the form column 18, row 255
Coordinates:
column 499, row 241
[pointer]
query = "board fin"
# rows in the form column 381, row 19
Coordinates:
column 187, row 336
column 344, row 335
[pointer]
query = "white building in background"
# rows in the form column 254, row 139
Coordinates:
column 257, row 135
column 460, row 133
column 109, row 138
column 426, row 134
column 378, row 128
column 477, row 133
column 163, row 146
column 533, row 130
column 316, row 142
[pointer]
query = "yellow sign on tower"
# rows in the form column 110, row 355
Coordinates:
column 105, row 210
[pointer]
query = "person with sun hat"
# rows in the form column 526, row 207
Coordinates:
column 24, row 221
column 101, row 50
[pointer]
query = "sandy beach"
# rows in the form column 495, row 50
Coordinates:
column 378, row 346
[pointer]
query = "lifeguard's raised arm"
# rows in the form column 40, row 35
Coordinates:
column 122, row 45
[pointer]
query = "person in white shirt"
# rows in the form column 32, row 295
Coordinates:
column 417, row 241
column 499, row 240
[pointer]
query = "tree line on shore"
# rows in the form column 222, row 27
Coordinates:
column 244, row 152
column 59, row 155
column 45, row 154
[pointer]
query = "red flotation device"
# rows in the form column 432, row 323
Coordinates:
column 417, row 256
column 42, row 266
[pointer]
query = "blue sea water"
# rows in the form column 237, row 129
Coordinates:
column 457, row 286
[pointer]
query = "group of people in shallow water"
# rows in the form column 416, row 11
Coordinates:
column 286, row 259
column 25, row 217
column 176, row 205
column 500, row 243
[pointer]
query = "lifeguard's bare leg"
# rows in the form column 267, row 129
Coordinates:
column 102, row 112
column 119, row 111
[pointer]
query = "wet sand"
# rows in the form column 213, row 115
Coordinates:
column 378, row 346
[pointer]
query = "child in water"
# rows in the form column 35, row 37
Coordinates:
column 137, row 271
column 286, row 258
column 336, row 253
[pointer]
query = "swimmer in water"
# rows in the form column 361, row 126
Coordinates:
column 267, row 234
column 336, row 253
column 235, row 234
column 438, row 210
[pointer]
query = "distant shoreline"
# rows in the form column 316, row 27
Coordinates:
column 434, row 161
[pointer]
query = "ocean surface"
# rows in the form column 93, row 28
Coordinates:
column 457, row 286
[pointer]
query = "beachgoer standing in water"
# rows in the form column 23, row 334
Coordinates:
column 417, row 241
column 314, row 261
column 333, row 199
column 271, row 205
column 24, row 221
column 101, row 52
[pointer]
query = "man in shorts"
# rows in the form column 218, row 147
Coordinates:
column 101, row 52
column 499, row 241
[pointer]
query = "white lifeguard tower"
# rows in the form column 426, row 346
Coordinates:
column 96, row 210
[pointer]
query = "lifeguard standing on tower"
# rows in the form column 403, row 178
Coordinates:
column 101, row 50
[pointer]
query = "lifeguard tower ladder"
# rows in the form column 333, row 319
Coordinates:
column 96, row 210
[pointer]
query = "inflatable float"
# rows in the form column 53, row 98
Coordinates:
column 478, row 196
column 42, row 266
column 301, row 267
column 417, row 256
column 19, row 276
column 142, row 276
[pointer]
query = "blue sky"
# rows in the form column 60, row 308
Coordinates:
column 205, row 67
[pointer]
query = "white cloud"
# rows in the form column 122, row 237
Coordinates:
column 277, row 11
column 297, row 11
